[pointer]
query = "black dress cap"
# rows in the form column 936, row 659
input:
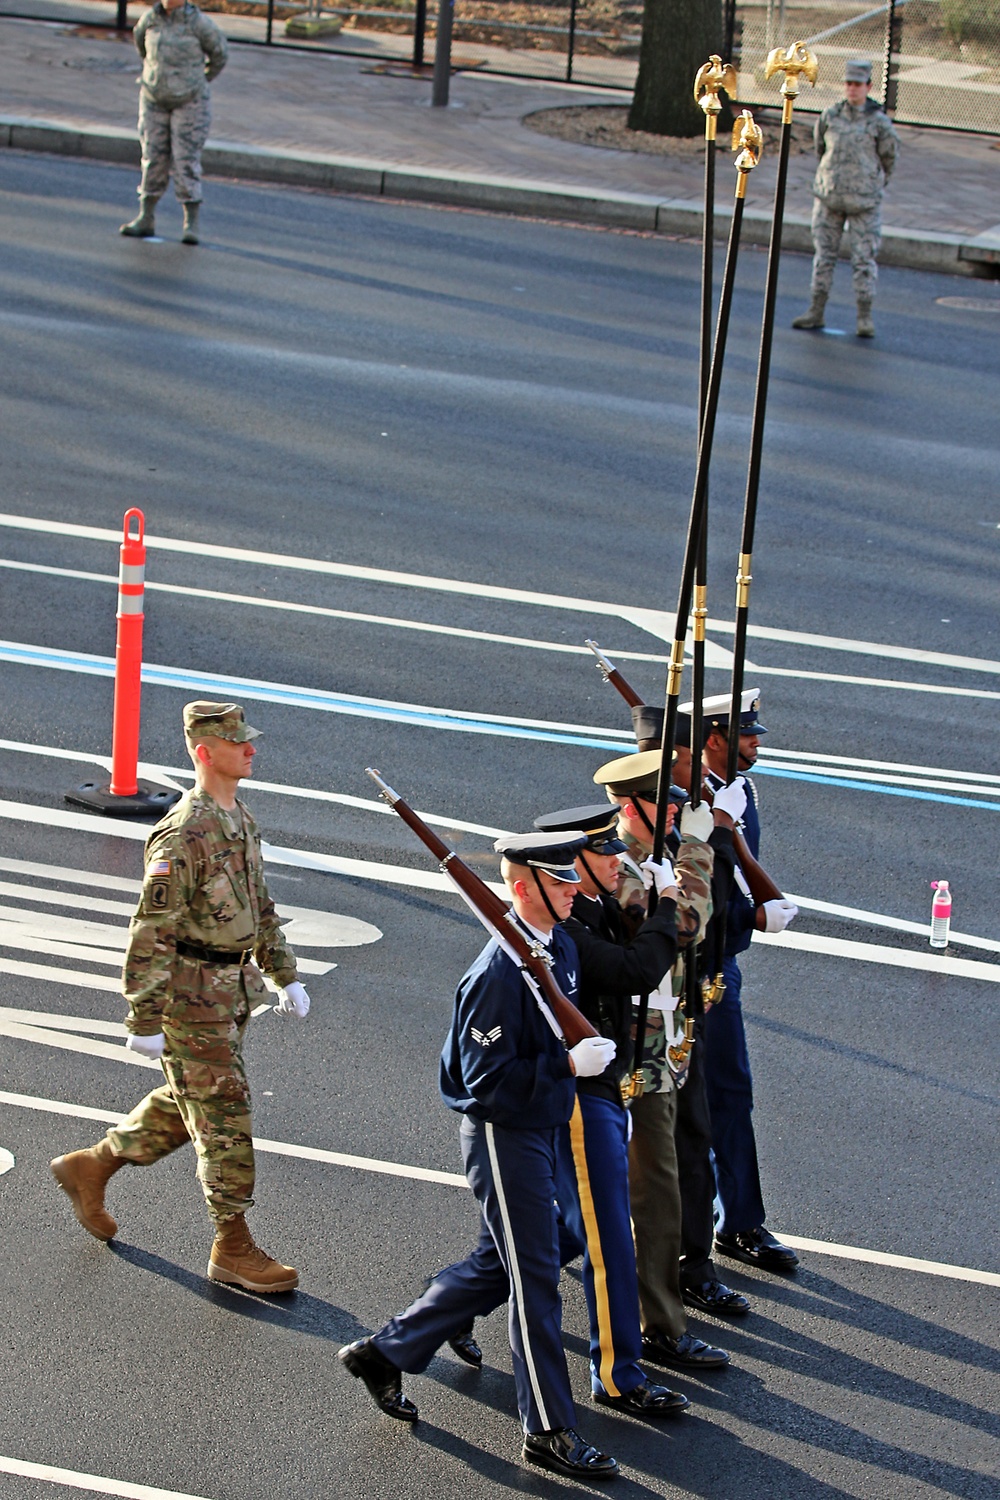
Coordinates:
column 599, row 823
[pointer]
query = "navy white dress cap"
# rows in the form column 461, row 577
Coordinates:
column 715, row 712
column 555, row 853
column 599, row 823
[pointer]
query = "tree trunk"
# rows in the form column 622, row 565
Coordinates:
column 677, row 37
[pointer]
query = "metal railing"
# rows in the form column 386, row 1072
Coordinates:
column 934, row 62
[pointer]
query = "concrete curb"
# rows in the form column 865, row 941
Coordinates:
column 920, row 250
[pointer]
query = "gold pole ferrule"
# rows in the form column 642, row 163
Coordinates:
column 744, row 578
column 700, row 612
column 675, row 670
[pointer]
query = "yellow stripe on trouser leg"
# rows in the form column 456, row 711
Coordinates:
column 594, row 1250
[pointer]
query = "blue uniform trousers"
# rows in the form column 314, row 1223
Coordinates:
column 730, row 1100
column 515, row 1175
column 597, row 1213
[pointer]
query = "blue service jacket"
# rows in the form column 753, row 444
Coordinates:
column 501, row 1060
column 740, row 909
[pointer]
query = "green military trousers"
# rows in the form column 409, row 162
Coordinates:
column 206, row 1099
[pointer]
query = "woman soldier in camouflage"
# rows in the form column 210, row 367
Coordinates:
column 857, row 147
column 181, row 52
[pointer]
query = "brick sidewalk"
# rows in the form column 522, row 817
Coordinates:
column 947, row 186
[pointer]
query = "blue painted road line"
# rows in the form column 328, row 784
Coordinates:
column 430, row 718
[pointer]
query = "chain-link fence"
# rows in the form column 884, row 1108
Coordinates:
column 945, row 67
column 945, row 54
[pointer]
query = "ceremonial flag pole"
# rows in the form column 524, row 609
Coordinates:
column 791, row 61
column 710, row 78
column 747, row 136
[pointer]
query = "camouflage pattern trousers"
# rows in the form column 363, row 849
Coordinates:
column 172, row 141
column 864, row 236
column 206, row 1099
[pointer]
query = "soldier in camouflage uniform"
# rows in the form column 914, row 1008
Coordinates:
column 631, row 782
column 857, row 145
column 190, row 980
column 181, row 52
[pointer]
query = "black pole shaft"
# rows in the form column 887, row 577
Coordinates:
column 442, row 54
column 687, row 576
column 571, row 41
column 270, row 23
column 419, row 32
column 757, row 446
column 705, row 363
column 694, row 526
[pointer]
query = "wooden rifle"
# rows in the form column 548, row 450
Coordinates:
column 531, row 957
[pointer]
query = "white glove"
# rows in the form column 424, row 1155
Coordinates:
column 591, row 1056
column 732, row 799
column 662, row 873
column 147, row 1046
column 293, row 1001
column 697, row 822
column 778, row 914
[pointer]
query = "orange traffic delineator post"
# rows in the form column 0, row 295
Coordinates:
column 126, row 794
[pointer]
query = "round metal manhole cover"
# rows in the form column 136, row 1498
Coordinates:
column 970, row 304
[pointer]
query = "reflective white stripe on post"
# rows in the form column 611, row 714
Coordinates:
column 132, row 573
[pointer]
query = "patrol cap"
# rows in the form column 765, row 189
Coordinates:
column 715, row 712
column 599, row 823
column 636, row 776
column 555, row 853
column 217, row 721
column 647, row 722
column 857, row 71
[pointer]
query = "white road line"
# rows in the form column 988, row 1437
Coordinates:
column 260, row 691
column 95, row 1484
column 717, row 657
column 163, row 773
column 59, row 1021
column 65, row 1043
column 897, row 924
column 77, row 977
column 455, row 1179
column 876, row 953
column 901, row 1262
column 433, row 880
column 479, row 591
column 6, row 1161
column 275, row 1148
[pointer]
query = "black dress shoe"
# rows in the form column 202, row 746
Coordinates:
column 717, row 1298
column 566, row 1452
column 465, row 1346
column 687, row 1352
column 380, row 1375
column 646, row 1400
column 758, row 1247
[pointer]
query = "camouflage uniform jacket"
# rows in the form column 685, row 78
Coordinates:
column 181, row 51
column 693, row 868
column 204, row 884
column 857, row 151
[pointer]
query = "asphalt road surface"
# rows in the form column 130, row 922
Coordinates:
column 396, row 465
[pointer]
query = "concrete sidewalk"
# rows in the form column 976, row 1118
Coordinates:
column 312, row 119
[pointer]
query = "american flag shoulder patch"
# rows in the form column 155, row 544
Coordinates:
column 160, row 867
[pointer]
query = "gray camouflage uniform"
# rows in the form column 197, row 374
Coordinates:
column 181, row 51
column 857, row 149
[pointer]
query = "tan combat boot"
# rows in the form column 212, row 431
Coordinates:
column 84, row 1176
column 866, row 328
column 190, row 234
column 813, row 316
column 143, row 226
column 237, row 1260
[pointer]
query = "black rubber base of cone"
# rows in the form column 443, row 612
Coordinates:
column 150, row 800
